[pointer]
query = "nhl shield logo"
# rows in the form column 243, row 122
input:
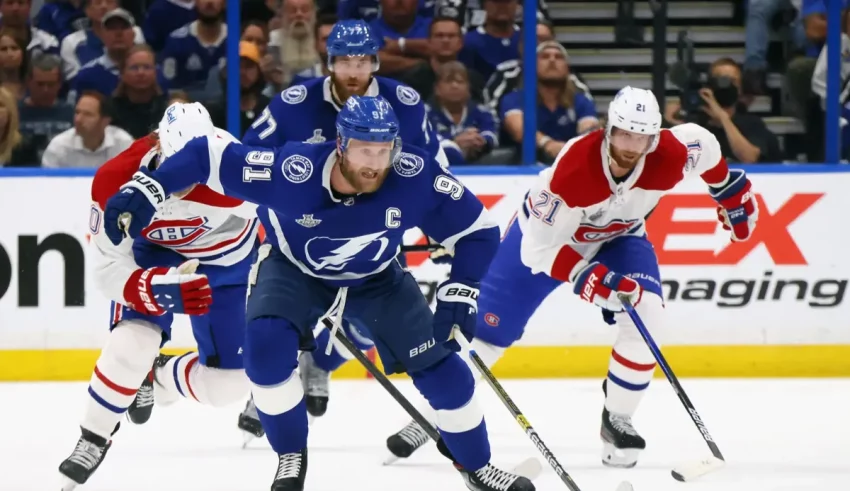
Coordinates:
column 308, row 221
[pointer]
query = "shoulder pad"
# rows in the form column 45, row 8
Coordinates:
column 665, row 166
column 118, row 170
column 578, row 177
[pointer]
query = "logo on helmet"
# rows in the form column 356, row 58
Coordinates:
column 294, row 95
column 407, row 95
column 408, row 165
column 297, row 169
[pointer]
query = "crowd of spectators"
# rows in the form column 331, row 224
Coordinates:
column 79, row 79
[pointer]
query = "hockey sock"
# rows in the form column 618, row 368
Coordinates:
column 123, row 364
column 450, row 389
column 632, row 365
column 271, row 359
column 184, row 376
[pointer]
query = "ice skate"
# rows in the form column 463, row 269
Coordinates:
column 402, row 444
column 491, row 478
column 140, row 410
column 291, row 472
column 249, row 423
column 86, row 458
column 315, row 381
column 621, row 442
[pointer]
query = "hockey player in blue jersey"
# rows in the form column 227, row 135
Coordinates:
column 335, row 214
column 308, row 113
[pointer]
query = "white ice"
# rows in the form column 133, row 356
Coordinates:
column 777, row 435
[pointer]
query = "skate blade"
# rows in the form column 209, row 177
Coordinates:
column 625, row 486
column 247, row 438
column 310, row 419
column 692, row 470
column 68, row 484
column 390, row 459
column 529, row 469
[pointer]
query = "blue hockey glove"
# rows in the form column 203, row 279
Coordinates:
column 457, row 305
column 440, row 255
column 132, row 208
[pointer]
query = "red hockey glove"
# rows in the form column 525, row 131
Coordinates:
column 179, row 290
column 738, row 211
column 600, row 286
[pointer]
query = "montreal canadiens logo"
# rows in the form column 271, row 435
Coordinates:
column 408, row 165
column 591, row 233
column 491, row 319
column 297, row 168
column 176, row 233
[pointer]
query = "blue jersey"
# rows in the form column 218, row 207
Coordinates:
column 560, row 124
column 60, row 19
column 83, row 46
column 474, row 116
column 308, row 113
column 483, row 52
column 101, row 75
column 164, row 17
column 342, row 240
column 419, row 30
column 369, row 9
column 186, row 61
column 315, row 71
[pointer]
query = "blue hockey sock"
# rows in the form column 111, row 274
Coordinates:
column 449, row 387
column 270, row 355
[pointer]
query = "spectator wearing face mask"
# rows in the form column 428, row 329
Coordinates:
column 743, row 137
column 467, row 130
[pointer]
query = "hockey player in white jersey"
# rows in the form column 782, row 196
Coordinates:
column 583, row 222
column 193, row 259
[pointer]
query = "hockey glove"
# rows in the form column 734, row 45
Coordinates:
column 738, row 210
column 600, row 286
column 457, row 305
column 440, row 255
column 179, row 290
column 132, row 208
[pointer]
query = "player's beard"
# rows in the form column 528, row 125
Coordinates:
column 623, row 159
column 360, row 180
column 345, row 88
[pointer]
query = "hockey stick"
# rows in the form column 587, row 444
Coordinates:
column 520, row 418
column 690, row 470
column 528, row 468
column 420, row 247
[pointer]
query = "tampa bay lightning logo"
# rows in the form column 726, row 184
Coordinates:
column 294, row 95
column 407, row 95
column 297, row 168
column 332, row 254
column 408, row 165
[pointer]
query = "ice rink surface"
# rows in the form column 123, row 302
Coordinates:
column 777, row 435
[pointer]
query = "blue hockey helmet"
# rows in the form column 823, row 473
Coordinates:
column 351, row 38
column 367, row 118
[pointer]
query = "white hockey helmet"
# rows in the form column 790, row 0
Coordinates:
column 181, row 123
column 636, row 111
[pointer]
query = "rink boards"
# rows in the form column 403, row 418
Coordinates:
column 774, row 306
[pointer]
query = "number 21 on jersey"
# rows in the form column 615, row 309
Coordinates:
column 546, row 206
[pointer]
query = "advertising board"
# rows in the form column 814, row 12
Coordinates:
column 775, row 305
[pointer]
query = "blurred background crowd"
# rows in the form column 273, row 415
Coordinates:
column 80, row 79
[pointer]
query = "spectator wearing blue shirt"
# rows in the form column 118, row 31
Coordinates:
column 322, row 31
column 61, row 18
column 446, row 39
column 80, row 47
column 368, row 10
column 164, row 17
column 496, row 42
column 15, row 15
column 563, row 112
column 402, row 34
column 140, row 100
column 102, row 74
column 43, row 115
column 467, row 130
column 801, row 69
column 192, row 51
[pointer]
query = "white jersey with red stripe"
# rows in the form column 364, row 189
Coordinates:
column 575, row 206
column 215, row 229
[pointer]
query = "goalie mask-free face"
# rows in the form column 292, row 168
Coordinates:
column 366, row 164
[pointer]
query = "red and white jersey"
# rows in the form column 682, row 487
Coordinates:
column 576, row 205
column 215, row 229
